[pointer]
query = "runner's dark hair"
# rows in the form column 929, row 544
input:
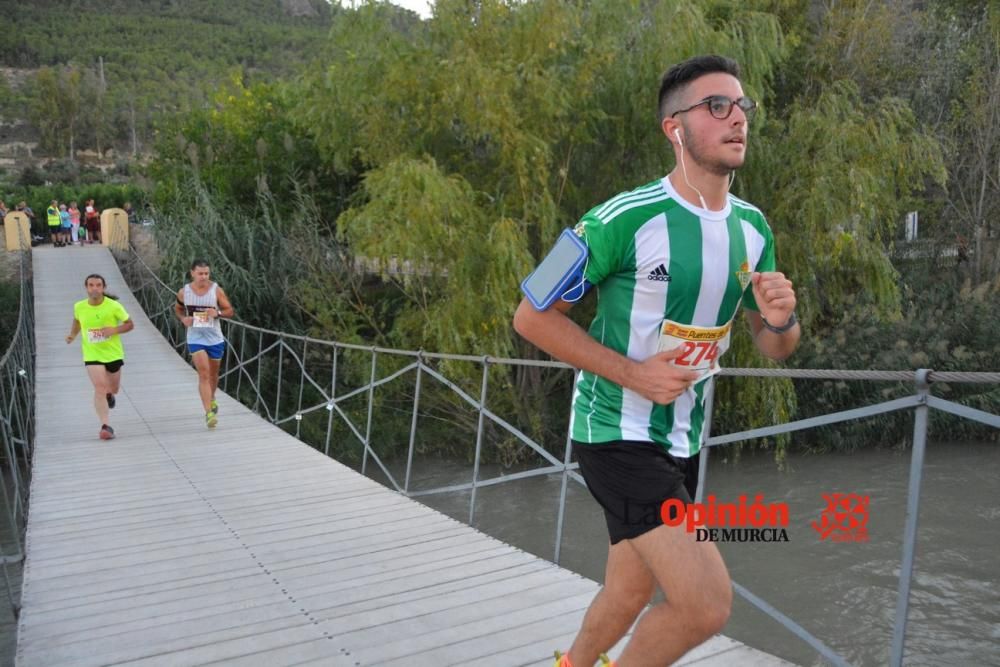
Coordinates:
column 104, row 283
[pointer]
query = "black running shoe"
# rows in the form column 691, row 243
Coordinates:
column 107, row 433
column 111, row 400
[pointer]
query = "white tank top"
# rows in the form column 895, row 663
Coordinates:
column 203, row 331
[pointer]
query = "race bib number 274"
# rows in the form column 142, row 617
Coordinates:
column 701, row 347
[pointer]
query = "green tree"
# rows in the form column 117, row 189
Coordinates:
column 243, row 146
column 835, row 178
column 68, row 102
column 974, row 129
column 8, row 109
column 138, row 42
column 44, row 111
column 452, row 151
column 494, row 126
column 521, row 117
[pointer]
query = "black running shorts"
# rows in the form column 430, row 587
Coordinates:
column 631, row 479
column 110, row 366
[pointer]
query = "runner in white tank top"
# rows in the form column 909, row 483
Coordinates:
column 199, row 306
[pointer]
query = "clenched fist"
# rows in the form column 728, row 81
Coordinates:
column 658, row 379
column 775, row 296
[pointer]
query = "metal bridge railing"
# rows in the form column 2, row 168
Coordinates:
column 17, row 430
column 250, row 345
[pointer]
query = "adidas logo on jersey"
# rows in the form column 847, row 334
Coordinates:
column 660, row 274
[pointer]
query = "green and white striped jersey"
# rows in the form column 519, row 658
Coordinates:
column 658, row 263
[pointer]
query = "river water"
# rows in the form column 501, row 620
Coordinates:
column 842, row 592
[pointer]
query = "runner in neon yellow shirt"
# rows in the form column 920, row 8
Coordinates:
column 102, row 320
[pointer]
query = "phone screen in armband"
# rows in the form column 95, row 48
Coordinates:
column 560, row 271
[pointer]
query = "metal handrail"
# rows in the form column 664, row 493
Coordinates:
column 17, row 424
column 139, row 273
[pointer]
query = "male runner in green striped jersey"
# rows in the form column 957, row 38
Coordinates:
column 672, row 262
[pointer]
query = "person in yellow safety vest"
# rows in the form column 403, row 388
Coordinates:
column 52, row 214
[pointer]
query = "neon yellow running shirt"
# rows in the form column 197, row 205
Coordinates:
column 92, row 319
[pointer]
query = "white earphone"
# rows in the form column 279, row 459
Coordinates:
column 680, row 142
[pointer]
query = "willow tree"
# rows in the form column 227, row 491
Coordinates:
column 483, row 131
column 493, row 125
column 836, row 177
column 835, row 164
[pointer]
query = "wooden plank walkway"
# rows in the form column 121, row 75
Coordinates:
column 174, row 545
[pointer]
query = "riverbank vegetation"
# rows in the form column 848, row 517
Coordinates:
column 395, row 187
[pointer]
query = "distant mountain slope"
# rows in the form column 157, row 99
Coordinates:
column 157, row 56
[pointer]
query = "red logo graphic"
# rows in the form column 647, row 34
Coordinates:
column 845, row 518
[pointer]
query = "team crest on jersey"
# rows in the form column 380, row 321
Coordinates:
column 579, row 230
column 743, row 275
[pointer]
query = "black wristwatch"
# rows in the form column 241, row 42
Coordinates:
column 792, row 321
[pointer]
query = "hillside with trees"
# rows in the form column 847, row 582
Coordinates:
column 463, row 143
column 88, row 81
column 318, row 149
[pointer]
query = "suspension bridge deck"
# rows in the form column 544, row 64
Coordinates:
column 176, row 545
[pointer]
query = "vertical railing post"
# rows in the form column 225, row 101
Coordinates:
column 15, row 525
column 413, row 422
column 8, row 436
column 172, row 325
column 912, row 512
column 15, row 605
column 706, row 432
column 10, row 417
column 302, row 386
column 371, row 404
column 25, row 362
column 239, row 360
column 260, row 353
column 24, row 423
column 479, row 438
column 277, row 394
column 333, row 397
column 563, row 484
column 225, row 371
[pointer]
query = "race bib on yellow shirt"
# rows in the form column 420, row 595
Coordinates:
column 701, row 346
column 95, row 336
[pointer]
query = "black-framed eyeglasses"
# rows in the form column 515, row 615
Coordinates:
column 721, row 107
